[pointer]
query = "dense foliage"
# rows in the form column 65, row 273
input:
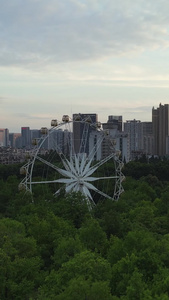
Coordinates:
column 58, row 249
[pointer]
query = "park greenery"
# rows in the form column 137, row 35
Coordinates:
column 57, row 248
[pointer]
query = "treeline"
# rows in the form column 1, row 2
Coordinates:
column 56, row 248
column 143, row 167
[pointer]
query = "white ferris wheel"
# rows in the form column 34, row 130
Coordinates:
column 75, row 155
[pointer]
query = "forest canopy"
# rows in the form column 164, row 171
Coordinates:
column 57, row 248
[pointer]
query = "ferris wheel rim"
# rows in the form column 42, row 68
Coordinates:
column 77, row 166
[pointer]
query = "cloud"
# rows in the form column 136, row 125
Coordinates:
column 37, row 33
column 82, row 55
column 2, row 99
column 32, row 116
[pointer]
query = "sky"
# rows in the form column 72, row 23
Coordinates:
column 82, row 56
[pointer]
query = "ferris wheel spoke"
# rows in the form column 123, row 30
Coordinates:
column 71, row 166
column 99, row 178
column 87, row 193
column 43, row 181
column 76, row 188
column 84, row 137
column 92, row 187
column 96, row 147
column 65, row 180
column 87, row 167
column 69, row 141
column 88, row 197
column 82, row 163
column 65, row 161
column 89, row 171
column 65, row 165
column 104, row 195
column 63, row 172
column 93, row 152
column 77, row 163
column 47, row 163
column 70, row 187
column 104, row 160
column 59, row 190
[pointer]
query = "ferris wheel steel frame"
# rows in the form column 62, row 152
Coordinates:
column 77, row 173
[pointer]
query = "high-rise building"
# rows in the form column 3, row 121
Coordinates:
column 147, row 139
column 56, row 139
column 4, row 137
column 17, row 140
column 160, row 120
column 35, row 134
column 26, row 137
column 114, row 122
column 94, row 145
column 116, row 136
column 82, row 130
column 133, row 129
column 123, row 144
column 141, row 137
column 67, row 140
column 11, row 140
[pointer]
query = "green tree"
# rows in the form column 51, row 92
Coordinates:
column 121, row 274
column 79, row 288
column 116, row 250
column 137, row 289
column 86, row 265
column 65, row 249
column 72, row 207
column 143, row 215
column 8, row 190
column 20, row 263
column 93, row 237
column 47, row 229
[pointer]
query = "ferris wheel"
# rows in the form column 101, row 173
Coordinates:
column 75, row 155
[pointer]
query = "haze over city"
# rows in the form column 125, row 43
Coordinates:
column 63, row 57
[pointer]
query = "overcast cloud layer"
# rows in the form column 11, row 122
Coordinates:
column 79, row 55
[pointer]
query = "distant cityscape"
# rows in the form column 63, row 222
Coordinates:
column 133, row 138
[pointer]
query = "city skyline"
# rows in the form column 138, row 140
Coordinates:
column 71, row 118
column 70, row 56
